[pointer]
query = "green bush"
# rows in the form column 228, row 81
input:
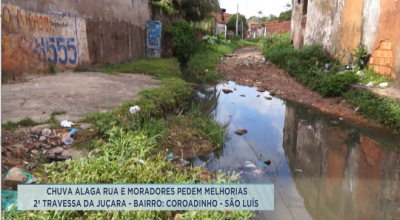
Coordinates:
column 383, row 110
column 307, row 65
column 184, row 40
column 235, row 38
column 337, row 84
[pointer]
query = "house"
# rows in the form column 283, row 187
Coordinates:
column 343, row 25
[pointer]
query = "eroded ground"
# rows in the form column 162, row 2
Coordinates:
column 73, row 93
column 249, row 68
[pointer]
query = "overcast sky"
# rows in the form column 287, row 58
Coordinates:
column 250, row 7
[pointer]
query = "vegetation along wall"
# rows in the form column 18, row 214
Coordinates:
column 344, row 25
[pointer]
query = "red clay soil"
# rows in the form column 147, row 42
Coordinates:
column 249, row 68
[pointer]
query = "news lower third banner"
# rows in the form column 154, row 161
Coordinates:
column 145, row 197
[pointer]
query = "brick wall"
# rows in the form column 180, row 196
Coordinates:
column 382, row 57
column 278, row 26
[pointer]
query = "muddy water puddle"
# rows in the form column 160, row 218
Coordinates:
column 322, row 167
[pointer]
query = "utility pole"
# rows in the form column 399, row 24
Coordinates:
column 242, row 30
column 216, row 24
column 237, row 19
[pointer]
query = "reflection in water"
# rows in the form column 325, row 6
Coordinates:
column 346, row 175
column 322, row 168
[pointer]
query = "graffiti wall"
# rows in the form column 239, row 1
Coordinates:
column 36, row 35
column 32, row 41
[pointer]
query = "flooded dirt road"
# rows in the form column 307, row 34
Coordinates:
column 250, row 68
column 322, row 167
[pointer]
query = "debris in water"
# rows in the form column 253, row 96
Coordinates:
column 241, row 132
column 298, row 170
column 243, row 95
column 268, row 98
column 258, row 95
column 227, row 91
column 236, row 176
column 268, row 162
column 258, row 171
column 250, row 165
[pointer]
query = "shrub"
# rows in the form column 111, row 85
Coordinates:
column 235, row 38
column 337, row 84
column 383, row 110
column 184, row 40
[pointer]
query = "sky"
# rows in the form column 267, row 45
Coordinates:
column 250, row 7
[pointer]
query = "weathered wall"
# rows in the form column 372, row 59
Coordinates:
column 319, row 24
column 37, row 33
column 31, row 40
column 344, row 25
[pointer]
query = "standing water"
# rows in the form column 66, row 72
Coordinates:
column 322, row 167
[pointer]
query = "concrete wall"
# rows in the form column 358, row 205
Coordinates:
column 343, row 25
column 37, row 33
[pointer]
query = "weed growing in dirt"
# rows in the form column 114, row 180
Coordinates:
column 157, row 67
column 383, row 110
column 154, row 103
column 163, row 67
column 307, row 66
column 26, row 122
column 369, row 75
column 53, row 68
column 113, row 161
column 29, row 122
column 207, row 133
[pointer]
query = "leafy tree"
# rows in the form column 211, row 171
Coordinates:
column 286, row 15
column 231, row 23
column 190, row 10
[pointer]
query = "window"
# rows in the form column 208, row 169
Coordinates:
column 305, row 5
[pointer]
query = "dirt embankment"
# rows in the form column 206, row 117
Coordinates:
column 249, row 68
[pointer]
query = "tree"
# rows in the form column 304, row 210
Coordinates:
column 231, row 23
column 286, row 15
column 190, row 10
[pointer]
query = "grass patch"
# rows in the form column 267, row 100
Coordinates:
column 197, row 132
column 154, row 104
column 26, row 122
column 207, row 57
column 369, row 75
column 114, row 163
column 162, row 67
column 383, row 110
column 29, row 122
column 307, row 66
